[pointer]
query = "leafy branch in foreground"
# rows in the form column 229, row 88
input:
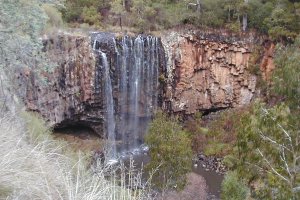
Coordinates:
column 269, row 144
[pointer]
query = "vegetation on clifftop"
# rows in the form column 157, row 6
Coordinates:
column 278, row 18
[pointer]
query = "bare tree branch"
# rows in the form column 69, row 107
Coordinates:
column 264, row 137
column 272, row 168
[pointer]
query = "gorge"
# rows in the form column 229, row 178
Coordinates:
column 113, row 83
column 127, row 77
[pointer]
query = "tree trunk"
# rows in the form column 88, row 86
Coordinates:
column 245, row 22
column 245, row 18
column 198, row 6
column 121, row 22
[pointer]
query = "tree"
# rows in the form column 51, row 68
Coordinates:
column 245, row 15
column 119, row 8
column 282, row 23
column 82, row 10
column 91, row 16
column 269, row 144
column 286, row 77
column 170, row 151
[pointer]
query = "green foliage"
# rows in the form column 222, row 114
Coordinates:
column 258, row 13
column 278, row 18
column 218, row 137
column 230, row 161
column 170, row 152
column 233, row 188
column 84, row 11
column 21, row 23
column 282, row 23
column 223, row 133
column 216, row 148
column 286, row 76
column 54, row 16
column 268, row 145
column 91, row 16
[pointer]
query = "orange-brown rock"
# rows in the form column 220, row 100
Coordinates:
column 206, row 74
column 267, row 64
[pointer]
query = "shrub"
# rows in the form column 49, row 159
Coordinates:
column 286, row 75
column 54, row 16
column 170, row 152
column 91, row 16
column 267, row 142
column 233, row 188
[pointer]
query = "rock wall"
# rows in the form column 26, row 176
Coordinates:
column 69, row 93
column 204, row 72
column 207, row 72
column 74, row 93
column 267, row 64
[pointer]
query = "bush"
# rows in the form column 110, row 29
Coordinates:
column 170, row 152
column 267, row 142
column 91, row 16
column 286, row 77
column 54, row 16
column 233, row 188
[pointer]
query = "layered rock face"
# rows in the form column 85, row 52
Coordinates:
column 69, row 93
column 196, row 72
column 207, row 72
column 103, row 82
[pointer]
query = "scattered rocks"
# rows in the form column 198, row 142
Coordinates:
column 211, row 163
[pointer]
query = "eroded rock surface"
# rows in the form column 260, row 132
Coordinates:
column 71, row 93
column 206, row 73
column 267, row 64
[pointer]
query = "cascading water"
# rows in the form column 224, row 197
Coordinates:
column 110, row 117
column 130, row 89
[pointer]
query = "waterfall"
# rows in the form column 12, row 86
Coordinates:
column 110, row 116
column 130, row 71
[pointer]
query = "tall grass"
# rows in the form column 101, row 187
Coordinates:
column 40, row 170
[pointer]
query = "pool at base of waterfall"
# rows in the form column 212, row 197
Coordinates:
column 200, row 180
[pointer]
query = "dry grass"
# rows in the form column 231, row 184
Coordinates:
column 40, row 170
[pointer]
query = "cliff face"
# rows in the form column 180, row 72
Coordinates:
column 68, row 95
column 207, row 72
column 126, row 69
column 203, row 72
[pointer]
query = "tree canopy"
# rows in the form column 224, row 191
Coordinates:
column 278, row 18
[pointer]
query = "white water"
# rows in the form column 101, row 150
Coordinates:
column 111, row 152
column 135, row 70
